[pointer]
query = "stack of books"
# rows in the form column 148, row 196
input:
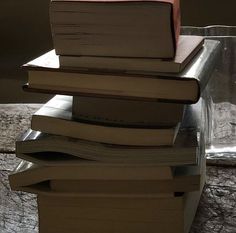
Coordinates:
column 119, row 148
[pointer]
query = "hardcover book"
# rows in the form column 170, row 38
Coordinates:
column 111, row 27
column 45, row 75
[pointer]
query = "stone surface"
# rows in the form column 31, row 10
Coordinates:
column 18, row 210
column 8, row 162
column 217, row 208
column 14, row 120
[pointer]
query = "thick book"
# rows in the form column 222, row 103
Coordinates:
column 55, row 117
column 119, row 214
column 100, row 179
column 127, row 112
column 124, row 28
column 63, row 212
column 60, row 214
column 46, row 150
column 187, row 48
column 46, row 76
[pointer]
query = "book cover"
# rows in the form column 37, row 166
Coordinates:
column 46, row 76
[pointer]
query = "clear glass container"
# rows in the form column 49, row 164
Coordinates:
column 221, row 101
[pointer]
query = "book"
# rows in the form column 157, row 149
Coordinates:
column 28, row 173
column 111, row 28
column 46, row 76
column 46, row 149
column 60, row 214
column 187, row 48
column 94, row 179
column 63, row 212
column 184, row 179
column 57, row 210
column 55, row 117
column 121, row 214
column 126, row 112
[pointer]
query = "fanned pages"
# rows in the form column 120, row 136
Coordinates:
column 187, row 48
column 47, row 149
column 55, row 117
column 91, row 170
column 111, row 181
column 46, row 76
column 111, row 28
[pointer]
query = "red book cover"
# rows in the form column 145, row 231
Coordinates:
column 176, row 18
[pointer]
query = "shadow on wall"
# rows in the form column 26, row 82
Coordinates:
column 25, row 33
column 208, row 12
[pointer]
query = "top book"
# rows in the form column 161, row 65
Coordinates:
column 119, row 28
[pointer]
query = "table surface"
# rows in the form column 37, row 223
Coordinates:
column 18, row 210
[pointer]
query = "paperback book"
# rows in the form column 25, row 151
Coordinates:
column 126, row 214
column 47, row 149
column 55, row 117
column 94, row 179
column 187, row 48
